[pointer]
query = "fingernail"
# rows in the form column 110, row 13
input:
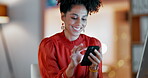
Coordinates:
column 90, row 54
column 96, row 50
column 85, row 48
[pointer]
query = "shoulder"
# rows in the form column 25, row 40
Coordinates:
column 46, row 41
column 95, row 41
column 49, row 40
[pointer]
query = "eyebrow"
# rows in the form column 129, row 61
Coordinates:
column 78, row 15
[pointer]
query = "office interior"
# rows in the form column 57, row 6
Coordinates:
column 120, row 25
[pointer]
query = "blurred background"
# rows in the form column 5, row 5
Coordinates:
column 120, row 25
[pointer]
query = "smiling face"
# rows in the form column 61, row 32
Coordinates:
column 75, row 20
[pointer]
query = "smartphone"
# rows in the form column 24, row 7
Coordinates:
column 85, row 60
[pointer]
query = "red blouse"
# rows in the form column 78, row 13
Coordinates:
column 54, row 56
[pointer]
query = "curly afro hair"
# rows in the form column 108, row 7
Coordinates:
column 92, row 6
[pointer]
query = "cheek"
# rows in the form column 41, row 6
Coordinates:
column 71, row 22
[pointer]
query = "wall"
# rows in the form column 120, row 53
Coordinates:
column 23, row 35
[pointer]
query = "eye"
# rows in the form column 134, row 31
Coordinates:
column 73, row 18
column 84, row 19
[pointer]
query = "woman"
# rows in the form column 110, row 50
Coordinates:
column 60, row 55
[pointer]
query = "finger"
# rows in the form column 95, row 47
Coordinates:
column 100, row 50
column 83, row 49
column 72, row 55
column 98, row 54
column 95, row 58
column 81, row 59
column 93, row 62
column 74, row 49
column 80, row 48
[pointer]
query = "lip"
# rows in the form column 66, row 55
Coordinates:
column 77, row 28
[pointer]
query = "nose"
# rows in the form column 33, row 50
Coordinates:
column 78, row 22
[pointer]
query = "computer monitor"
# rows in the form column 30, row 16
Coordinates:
column 143, row 68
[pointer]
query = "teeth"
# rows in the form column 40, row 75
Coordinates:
column 76, row 28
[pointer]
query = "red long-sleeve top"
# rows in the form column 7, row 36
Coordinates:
column 54, row 56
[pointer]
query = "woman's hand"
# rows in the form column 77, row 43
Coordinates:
column 76, row 57
column 96, row 60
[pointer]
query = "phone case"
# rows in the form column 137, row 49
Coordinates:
column 85, row 60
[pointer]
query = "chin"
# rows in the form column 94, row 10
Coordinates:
column 76, row 34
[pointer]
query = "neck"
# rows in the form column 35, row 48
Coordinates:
column 70, row 37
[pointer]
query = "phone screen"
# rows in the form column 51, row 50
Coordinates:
column 85, row 60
